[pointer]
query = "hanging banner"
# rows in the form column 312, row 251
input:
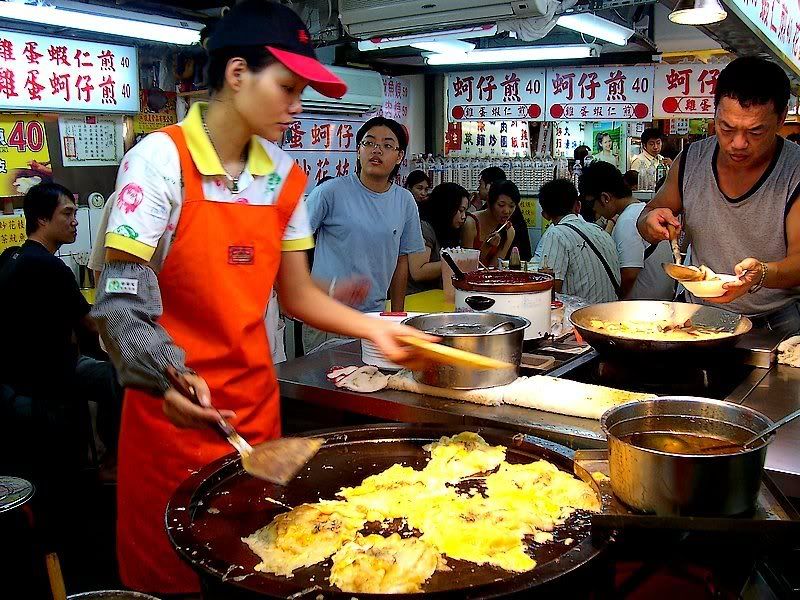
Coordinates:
column 505, row 94
column 323, row 146
column 685, row 90
column 24, row 156
column 39, row 73
column 776, row 22
column 568, row 136
column 395, row 99
column 600, row 93
column 487, row 138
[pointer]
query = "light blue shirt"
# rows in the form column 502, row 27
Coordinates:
column 360, row 232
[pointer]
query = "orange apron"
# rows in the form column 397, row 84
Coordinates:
column 215, row 286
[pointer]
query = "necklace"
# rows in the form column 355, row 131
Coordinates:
column 233, row 182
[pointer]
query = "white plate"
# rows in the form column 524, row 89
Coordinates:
column 709, row 289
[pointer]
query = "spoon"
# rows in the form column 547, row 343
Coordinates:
column 458, row 273
column 787, row 419
column 682, row 272
column 506, row 325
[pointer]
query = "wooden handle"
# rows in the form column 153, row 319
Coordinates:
column 179, row 382
column 57, row 587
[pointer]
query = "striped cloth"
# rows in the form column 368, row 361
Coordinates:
column 575, row 263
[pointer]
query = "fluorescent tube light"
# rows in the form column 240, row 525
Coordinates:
column 182, row 33
column 379, row 43
column 698, row 12
column 596, row 27
column 445, row 46
column 503, row 55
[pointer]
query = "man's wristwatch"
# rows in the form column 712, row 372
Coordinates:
column 760, row 283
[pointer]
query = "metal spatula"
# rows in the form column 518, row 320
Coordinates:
column 276, row 461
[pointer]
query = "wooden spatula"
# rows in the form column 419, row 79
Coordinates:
column 276, row 461
column 453, row 356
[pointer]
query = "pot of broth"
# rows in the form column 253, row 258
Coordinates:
column 670, row 456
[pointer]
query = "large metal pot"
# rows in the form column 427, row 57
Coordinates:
column 503, row 345
column 520, row 293
column 669, row 483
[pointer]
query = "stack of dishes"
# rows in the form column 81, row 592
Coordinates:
column 370, row 354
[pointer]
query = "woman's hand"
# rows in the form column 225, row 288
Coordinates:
column 184, row 413
column 387, row 337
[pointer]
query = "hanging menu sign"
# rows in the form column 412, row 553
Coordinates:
column 91, row 141
column 39, row 73
column 323, row 146
column 600, row 93
column 776, row 22
column 509, row 94
column 685, row 90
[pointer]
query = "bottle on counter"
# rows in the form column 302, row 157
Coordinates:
column 549, row 168
column 588, row 159
column 427, row 165
column 576, row 173
column 506, row 163
column 538, row 173
column 514, row 262
column 464, row 172
column 438, row 170
column 518, row 172
column 562, row 167
column 661, row 171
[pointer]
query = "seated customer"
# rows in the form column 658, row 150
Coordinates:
column 582, row 256
column 447, row 211
column 419, row 184
column 602, row 187
column 480, row 231
column 42, row 296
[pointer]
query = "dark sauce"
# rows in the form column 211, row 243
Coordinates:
column 680, row 443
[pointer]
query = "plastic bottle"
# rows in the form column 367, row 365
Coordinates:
column 576, row 173
column 527, row 177
column 518, row 172
column 514, row 262
column 464, row 172
column 538, row 173
column 661, row 170
column 562, row 167
column 438, row 170
column 589, row 159
column 549, row 168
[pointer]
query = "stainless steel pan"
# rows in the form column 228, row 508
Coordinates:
column 653, row 310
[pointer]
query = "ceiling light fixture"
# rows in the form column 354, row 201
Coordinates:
column 379, row 43
column 123, row 24
column 596, row 27
column 507, row 55
column 698, row 12
column 445, row 46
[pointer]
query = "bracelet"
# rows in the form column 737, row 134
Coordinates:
column 332, row 287
column 760, row 283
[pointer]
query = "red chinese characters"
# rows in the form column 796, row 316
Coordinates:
column 295, row 136
column 32, row 85
column 6, row 50
column 463, row 87
column 342, row 167
column 511, row 88
column 7, row 84
column 31, row 54
column 59, row 84
column 107, row 89
column 708, row 81
column 588, row 84
column 321, row 133
column 676, row 79
column 106, row 60
column 58, row 55
column 80, row 57
column 564, row 82
column 616, row 86
column 344, row 136
column 322, row 170
column 84, row 86
column 486, row 88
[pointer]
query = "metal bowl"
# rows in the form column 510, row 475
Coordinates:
column 667, row 483
column 464, row 330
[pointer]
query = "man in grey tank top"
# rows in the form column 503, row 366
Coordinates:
column 736, row 195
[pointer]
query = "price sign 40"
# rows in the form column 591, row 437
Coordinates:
column 27, row 138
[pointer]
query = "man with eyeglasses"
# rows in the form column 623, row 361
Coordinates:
column 366, row 225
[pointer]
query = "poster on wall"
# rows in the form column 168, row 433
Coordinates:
column 488, row 138
column 90, row 141
column 396, row 99
column 157, row 110
column 607, row 141
column 600, row 93
column 568, row 136
column 39, row 73
column 685, row 90
column 323, row 146
column 496, row 94
column 12, row 231
column 24, row 156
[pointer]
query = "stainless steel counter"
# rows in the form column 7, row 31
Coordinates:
column 774, row 391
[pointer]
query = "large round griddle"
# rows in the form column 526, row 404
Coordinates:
column 217, row 506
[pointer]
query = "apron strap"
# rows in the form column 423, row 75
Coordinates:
column 291, row 193
column 192, row 180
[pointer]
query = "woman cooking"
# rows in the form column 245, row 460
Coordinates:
column 207, row 217
column 490, row 230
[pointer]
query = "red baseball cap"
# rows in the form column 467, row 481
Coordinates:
column 282, row 32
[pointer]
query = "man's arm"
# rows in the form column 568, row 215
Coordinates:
column 663, row 209
column 421, row 268
column 397, row 288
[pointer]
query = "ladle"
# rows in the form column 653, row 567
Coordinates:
column 459, row 274
column 778, row 424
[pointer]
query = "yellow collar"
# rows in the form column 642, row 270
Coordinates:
column 205, row 157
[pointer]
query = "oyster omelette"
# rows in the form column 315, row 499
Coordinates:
column 486, row 528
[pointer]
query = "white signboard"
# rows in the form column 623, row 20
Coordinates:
column 600, row 93
column 493, row 95
column 685, row 90
column 776, row 22
column 40, row 74
column 90, row 141
column 323, row 146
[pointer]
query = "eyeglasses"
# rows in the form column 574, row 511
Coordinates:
column 385, row 147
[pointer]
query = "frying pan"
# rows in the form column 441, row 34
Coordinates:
column 652, row 310
column 214, row 508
